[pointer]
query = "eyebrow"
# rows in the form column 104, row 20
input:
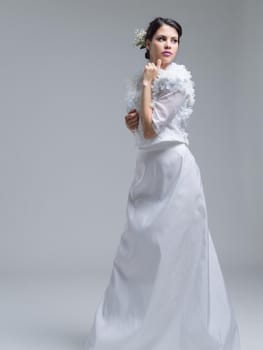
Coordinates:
column 173, row 37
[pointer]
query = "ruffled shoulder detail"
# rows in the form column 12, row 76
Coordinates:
column 174, row 78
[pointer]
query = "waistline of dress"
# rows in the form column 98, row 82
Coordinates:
column 161, row 145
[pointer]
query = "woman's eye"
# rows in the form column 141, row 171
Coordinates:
column 161, row 38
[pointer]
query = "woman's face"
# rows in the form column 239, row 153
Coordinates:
column 164, row 45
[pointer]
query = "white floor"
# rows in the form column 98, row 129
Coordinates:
column 55, row 313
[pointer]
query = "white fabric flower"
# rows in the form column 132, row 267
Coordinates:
column 139, row 39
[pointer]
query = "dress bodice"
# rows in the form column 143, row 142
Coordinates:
column 173, row 97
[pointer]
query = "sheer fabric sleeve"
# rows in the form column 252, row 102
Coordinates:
column 165, row 107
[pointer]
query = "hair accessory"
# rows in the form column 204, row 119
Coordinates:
column 139, row 39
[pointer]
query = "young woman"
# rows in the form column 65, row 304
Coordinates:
column 166, row 290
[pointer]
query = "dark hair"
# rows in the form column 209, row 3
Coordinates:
column 155, row 24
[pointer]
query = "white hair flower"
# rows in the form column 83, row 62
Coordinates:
column 139, row 39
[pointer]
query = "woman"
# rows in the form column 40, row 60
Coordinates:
column 166, row 289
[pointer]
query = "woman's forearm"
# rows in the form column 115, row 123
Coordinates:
column 146, row 109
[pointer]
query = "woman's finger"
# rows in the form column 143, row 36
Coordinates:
column 132, row 125
column 159, row 63
column 132, row 116
column 132, row 122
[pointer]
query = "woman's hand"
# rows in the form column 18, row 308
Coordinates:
column 132, row 119
column 151, row 70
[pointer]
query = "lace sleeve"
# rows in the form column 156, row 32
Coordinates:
column 165, row 108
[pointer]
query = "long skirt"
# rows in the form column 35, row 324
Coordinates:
column 166, row 290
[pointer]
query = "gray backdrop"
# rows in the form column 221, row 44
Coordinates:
column 67, row 158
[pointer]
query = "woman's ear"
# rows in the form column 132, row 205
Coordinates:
column 148, row 42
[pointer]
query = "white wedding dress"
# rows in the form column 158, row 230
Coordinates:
column 166, row 290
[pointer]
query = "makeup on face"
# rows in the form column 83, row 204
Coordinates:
column 164, row 45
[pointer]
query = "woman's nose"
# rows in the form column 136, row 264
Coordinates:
column 167, row 44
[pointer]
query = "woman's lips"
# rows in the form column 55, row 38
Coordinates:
column 166, row 53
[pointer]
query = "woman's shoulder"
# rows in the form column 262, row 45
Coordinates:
column 176, row 77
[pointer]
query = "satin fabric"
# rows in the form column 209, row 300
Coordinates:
column 166, row 290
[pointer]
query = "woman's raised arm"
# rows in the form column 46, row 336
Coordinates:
column 150, row 73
